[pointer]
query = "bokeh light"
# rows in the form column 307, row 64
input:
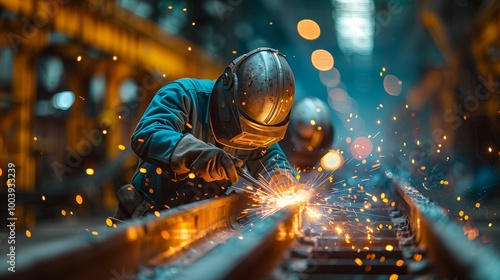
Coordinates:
column 361, row 147
column 393, row 85
column 354, row 26
column 332, row 160
column 393, row 277
column 330, row 78
column 322, row 60
column 339, row 100
column 63, row 100
column 308, row 29
column 128, row 91
column 79, row 199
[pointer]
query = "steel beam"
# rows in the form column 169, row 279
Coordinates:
column 112, row 29
column 203, row 237
column 486, row 31
column 19, row 144
column 450, row 252
column 119, row 252
column 250, row 254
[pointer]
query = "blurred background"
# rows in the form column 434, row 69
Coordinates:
column 410, row 88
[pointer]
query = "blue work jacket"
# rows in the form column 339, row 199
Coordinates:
column 178, row 108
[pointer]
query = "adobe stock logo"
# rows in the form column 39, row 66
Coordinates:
column 384, row 17
column 455, row 116
column 94, row 138
column 45, row 11
column 221, row 8
column 470, row 103
column 75, row 156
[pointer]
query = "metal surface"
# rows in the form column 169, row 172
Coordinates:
column 448, row 249
column 250, row 254
column 421, row 243
column 251, row 102
column 205, row 241
column 364, row 254
column 123, row 250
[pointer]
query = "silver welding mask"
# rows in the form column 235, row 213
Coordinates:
column 251, row 101
column 311, row 133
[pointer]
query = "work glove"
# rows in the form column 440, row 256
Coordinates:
column 204, row 160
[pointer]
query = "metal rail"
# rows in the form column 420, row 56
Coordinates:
column 374, row 244
column 250, row 254
column 450, row 252
column 121, row 251
column 422, row 243
column 206, row 241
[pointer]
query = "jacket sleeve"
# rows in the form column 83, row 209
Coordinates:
column 162, row 125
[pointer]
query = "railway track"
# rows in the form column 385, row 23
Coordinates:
column 399, row 235
column 377, row 243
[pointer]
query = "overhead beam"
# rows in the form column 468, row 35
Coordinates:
column 438, row 33
column 114, row 30
column 486, row 30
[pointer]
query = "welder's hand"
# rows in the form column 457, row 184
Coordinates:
column 214, row 164
column 204, row 160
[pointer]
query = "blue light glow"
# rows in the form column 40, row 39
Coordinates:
column 63, row 100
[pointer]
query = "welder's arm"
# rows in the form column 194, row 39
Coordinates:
column 160, row 128
column 204, row 159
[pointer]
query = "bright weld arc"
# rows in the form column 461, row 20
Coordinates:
column 269, row 201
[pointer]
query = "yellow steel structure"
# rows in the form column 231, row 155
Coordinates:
column 106, row 26
column 134, row 43
column 486, row 40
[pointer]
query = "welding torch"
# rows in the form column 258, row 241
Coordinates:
column 306, row 194
column 247, row 177
column 259, row 184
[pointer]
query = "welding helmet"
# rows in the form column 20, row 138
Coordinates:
column 311, row 133
column 251, row 101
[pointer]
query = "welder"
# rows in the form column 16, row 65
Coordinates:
column 310, row 134
column 196, row 133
